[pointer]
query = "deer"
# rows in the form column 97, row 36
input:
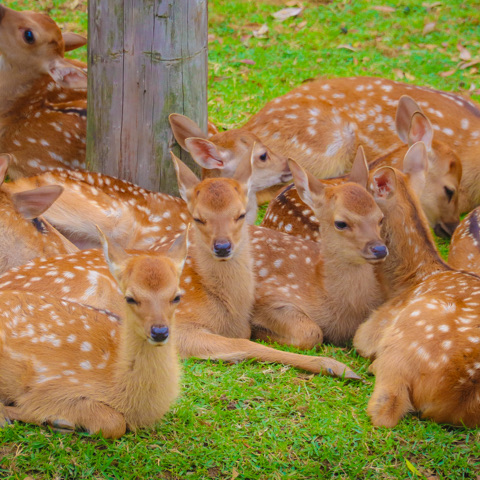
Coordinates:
column 425, row 340
column 220, row 154
column 213, row 318
column 464, row 252
column 320, row 124
column 25, row 233
column 439, row 197
column 43, row 105
column 76, row 367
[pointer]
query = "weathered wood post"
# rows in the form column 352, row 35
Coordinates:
column 146, row 59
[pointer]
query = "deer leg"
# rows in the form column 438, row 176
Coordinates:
column 370, row 333
column 196, row 342
column 286, row 325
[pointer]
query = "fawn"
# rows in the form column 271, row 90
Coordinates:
column 464, row 252
column 425, row 340
column 308, row 292
column 222, row 153
column 74, row 366
column 439, row 198
column 213, row 319
column 43, row 105
column 25, row 235
column 333, row 115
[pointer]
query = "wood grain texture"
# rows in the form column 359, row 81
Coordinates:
column 147, row 59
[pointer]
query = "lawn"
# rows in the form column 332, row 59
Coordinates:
column 252, row 421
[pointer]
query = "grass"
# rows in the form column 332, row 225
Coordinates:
column 252, row 421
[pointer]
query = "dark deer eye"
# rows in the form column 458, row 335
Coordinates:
column 177, row 299
column 29, row 37
column 241, row 217
column 449, row 192
column 198, row 220
column 263, row 156
column 341, row 225
column 131, row 301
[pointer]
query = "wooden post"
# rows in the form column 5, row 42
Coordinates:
column 146, row 59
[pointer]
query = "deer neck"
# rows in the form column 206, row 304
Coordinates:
column 412, row 253
column 145, row 380
column 230, row 284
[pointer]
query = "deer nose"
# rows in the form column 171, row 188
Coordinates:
column 222, row 248
column 159, row 334
column 379, row 251
column 444, row 229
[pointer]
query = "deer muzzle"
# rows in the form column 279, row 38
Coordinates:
column 222, row 248
column 375, row 252
column 159, row 335
column 445, row 230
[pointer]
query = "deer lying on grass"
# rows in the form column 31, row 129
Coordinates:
column 77, row 367
column 25, row 235
column 213, row 319
column 464, row 252
column 330, row 116
column 439, row 198
column 43, row 103
column 425, row 340
column 223, row 152
column 309, row 292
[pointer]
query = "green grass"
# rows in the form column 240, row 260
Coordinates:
column 252, row 421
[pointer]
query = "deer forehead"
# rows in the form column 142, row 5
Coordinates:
column 218, row 194
column 355, row 200
column 152, row 274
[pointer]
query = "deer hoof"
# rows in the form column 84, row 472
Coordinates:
column 61, row 426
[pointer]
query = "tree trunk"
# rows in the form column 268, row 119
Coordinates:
column 146, row 59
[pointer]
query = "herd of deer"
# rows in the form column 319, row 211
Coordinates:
column 84, row 334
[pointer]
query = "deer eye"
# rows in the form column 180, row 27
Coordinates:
column 198, row 220
column 177, row 299
column 340, row 225
column 263, row 156
column 131, row 301
column 381, row 221
column 449, row 192
column 29, row 37
column 241, row 217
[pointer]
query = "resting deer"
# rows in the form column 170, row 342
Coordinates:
column 43, row 104
column 425, row 340
column 25, row 235
column 222, row 153
column 308, row 292
column 213, row 319
column 77, row 367
column 464, row 252
column 320, row 123
column 439, row 198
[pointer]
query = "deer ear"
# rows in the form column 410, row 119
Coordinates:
column 33, row 203
column 310, row 189
column 384, row 183
column 205, row 153
column 178, row 251
column 73, row 41
column 115, row 255
column 406, row 107
column 67, row 75
column 359, row 172
column 187, row 180
column 183, row 128
column 5, row 160
column 415, row 165
column 420, row 130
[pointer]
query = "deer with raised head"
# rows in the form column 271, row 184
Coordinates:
column 25, row 234
column 310, row 292
column 366, row 108
column 464, row 252
column 44, row 99
column 213, row 319
column 74, row 366
column 425, row 341
column 220, row 155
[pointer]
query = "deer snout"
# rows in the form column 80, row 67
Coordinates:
column 222, row 248
column 158, row 335
column 375, row 251
column 444, row 229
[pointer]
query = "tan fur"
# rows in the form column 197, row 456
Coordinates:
column 69, row 363
column 43, row 106
column 425, row 339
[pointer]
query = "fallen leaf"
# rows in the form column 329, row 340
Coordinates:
column 463, row 66
column 235, row 473
column 430, row 6
column 347, row 47
column 429, row 27
column 398, row 73
column 464, row 53
column 285, row 13
column 244, row 60
column 409, row 76
column 301, row 25
column 261, row 32
column 447, row 74
column 384, row 9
